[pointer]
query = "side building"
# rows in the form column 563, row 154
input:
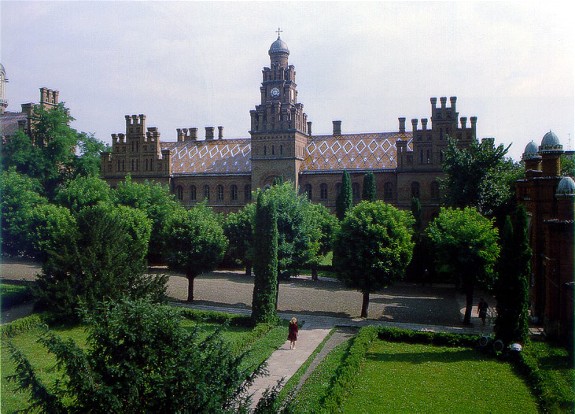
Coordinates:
column 406, row 163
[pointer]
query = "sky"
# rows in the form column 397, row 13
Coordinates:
column 198, row 64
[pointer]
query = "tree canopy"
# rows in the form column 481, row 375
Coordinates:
column 194, row 242
column 373, row 247
column 344, row 200
column 139, row 359
column 466, row 247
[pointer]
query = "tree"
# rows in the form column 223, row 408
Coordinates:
column 195, row 243
column 138, row 359
column 512, row 286
column 103, row 259
column 373, row 247
column 480, row 176
column 238, row 228
column 20, row 194
column 344, row 200
column 327, row 225
column 264, row 299
column 82, row 192
column 568, row 165
column 52, row 152
column 156, row 201
column 466, row 247
column 369, row 192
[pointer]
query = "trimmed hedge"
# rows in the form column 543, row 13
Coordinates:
column 427, row 337
column 22, row 325
column 216, row 317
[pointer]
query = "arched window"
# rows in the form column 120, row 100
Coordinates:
column 193, row 193
column 355, row 191
column 387, row 191
column 307, row 191
column 220, row 192
column 247, row 192
column 207, row 192
column 323, row 191
column 180, row 192
column 434, row 190
column 415, row 189
column 234, row 192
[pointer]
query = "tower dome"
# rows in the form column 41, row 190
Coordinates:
column 566, row 187
column 550, row 142
column 279, row 46
column 531, row 151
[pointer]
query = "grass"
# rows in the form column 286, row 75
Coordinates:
column 260, row 342
column 399, row 377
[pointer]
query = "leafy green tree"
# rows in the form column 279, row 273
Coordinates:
column 48, row 226
column 344, row 200
column 153, row 199
column 238, row 228
column 103, row 259
column 82, row 192
column 369, row 191
column 466, row 247
column 195, row 243
column 52, row 152
column 568, row 165
column 264, row 299
column 138, row 359
column 512, row 286
column 480, row 176
column 19, row 195
column 373, row 247
column 327, row 225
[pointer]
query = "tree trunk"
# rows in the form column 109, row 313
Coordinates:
column 468, row 302
column 314, row 272
column 364, row 305
column 191, row 278
column 248, row 269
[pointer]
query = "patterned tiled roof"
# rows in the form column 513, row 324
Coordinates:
column 371, row 151
column 9, row 122
column 368, row 151
column 218, row 156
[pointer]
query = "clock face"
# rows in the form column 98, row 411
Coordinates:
column 275, row 92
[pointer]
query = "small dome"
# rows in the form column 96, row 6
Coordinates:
column 279, row 46
column 531, row 151
column 566, row 187
column 550, row 142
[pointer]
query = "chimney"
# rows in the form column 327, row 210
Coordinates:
column 193, row 134
column 309, row 128
column 414, row 122
column 443, row 100
column 453, row 99
column 336, row 127
column 433, row 102
column 220, row 132
column 424, row 123
column 209, row 133
column 463, row 120
column 401, row 124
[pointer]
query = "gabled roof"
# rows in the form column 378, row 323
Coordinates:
column 9, row 122
column 369, row 151
column 324, row 153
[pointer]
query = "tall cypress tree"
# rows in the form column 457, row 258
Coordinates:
column 369, row 191
column 344, row 199
column 265, row 263
column 512, row 287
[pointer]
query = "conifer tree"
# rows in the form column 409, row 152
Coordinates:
column 512, row 287
column 344, row 199
column 369, row 192
column 265, row 262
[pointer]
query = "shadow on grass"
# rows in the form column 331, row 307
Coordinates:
column 424, row 357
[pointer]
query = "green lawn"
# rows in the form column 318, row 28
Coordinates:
column 400, row 378
column 260, row 342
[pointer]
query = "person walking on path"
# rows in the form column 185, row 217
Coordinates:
column 482, row 310
column 292, row 333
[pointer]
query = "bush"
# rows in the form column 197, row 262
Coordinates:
column 13, row 295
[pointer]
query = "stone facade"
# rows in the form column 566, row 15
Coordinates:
column 549, row 199
column 281, row 144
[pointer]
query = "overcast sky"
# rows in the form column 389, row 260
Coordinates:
column 198, row 64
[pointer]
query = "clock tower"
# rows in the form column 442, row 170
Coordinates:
column 278, row 124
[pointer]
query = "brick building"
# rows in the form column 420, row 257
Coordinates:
column 549, row 199
column 224, row 171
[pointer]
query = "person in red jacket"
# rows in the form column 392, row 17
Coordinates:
column 292, row 333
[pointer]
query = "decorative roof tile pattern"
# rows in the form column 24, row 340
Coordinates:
column 218, row 156
column 369, row 151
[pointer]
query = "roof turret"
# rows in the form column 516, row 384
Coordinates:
column 550, row 143
column 566, row 187
column 531, row 151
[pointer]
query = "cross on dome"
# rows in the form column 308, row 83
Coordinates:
column 278, row 31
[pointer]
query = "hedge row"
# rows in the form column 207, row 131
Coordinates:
column 346, row 373
column 427, row 337
column 13, row 295
column 22, row 325
column 217, row 317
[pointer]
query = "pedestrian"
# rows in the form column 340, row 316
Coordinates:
column 482, row 310
column 292, row 333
